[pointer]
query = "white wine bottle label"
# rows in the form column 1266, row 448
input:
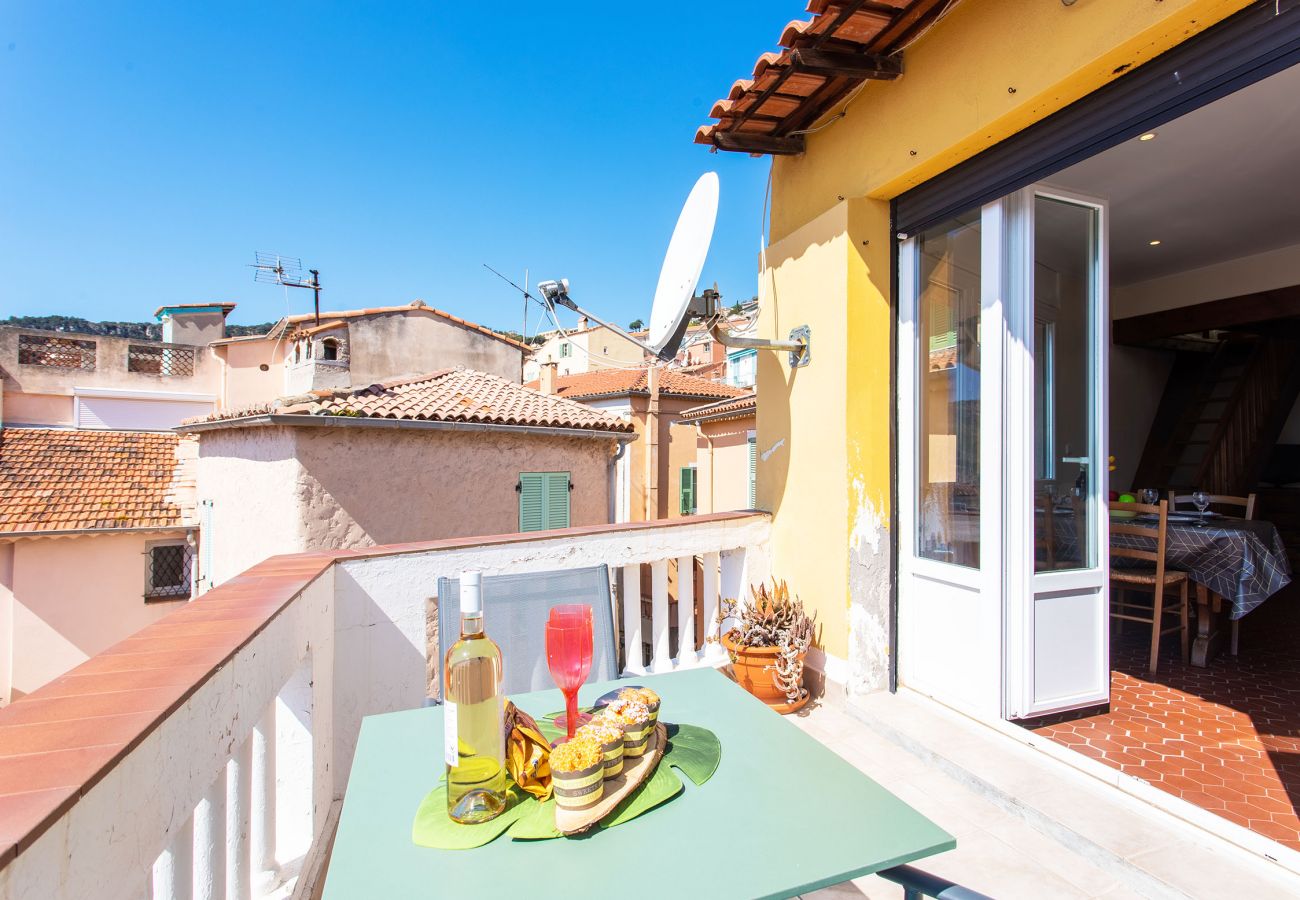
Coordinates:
column 451, row 737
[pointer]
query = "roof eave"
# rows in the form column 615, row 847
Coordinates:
column 306, row 420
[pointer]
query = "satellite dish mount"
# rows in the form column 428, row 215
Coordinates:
column 675, row 303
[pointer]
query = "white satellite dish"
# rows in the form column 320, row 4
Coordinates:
column 675, row 302
column 682, row 266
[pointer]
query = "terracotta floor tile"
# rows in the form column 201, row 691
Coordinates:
column 1226, row 737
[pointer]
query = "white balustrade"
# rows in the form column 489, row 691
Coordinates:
column 194, row 804
column 239, row 797
column 686, row 611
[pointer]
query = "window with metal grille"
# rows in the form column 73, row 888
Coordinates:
column 154, row 359
column 168, row 573
column 56, row 352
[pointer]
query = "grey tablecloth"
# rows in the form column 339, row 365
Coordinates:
column 1243, row 561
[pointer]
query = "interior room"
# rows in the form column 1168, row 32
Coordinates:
column 1204, row 289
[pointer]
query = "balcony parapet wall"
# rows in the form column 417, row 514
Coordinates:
column 148, row 733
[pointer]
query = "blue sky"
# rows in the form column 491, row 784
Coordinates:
column 147, row 149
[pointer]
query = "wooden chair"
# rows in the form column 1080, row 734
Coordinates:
column 1155, row 579
column 1246, row 506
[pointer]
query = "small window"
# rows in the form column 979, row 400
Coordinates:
column 566, row 349
column 329, row 349
column 543, row 500
column 688, row 491
column 167, row 576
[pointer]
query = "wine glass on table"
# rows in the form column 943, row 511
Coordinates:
column 568, row 654
column 1150, row 496
column 1201, row 500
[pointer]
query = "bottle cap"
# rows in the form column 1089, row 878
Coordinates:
column 471, row 593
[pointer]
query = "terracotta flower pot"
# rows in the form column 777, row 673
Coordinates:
column 751, row 666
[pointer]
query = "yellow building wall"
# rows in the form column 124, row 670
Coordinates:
column 988, row 70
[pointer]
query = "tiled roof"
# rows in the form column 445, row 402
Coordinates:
column 61, row 480
column 822, row 59
column 451, row 395
column 723, row 409
column 414, row 305
column 616, row 382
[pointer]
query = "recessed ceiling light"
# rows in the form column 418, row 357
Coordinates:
column 1149, row 136
column 1154, row 243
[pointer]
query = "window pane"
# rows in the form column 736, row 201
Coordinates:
column 1065, row 248
column 948, row 415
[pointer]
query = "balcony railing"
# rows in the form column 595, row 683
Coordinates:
column 208, row 754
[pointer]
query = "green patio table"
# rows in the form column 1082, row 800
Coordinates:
column 783, row 815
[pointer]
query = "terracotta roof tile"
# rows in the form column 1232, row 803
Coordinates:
column 450, row 395
column 59, row 480
column 789, row 91
column 615, row 382
column 723, row 409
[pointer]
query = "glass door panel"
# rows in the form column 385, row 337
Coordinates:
column 1065, row 447
column 948, row 399
column 1055, row 521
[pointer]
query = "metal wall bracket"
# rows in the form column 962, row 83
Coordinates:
column 802, row 356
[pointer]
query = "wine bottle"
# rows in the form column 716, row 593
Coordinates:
column 473, row 712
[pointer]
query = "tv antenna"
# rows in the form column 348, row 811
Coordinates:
column 272, row 268
column 675, row 301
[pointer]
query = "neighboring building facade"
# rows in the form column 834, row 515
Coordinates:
column 649, row 475
column 722, row 477
column 357, row 348
column 897, row 212
column 450, row 454
column 96, row 541
column 66, row 380
column 585, row 349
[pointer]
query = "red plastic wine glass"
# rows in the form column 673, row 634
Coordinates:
column 568, row 654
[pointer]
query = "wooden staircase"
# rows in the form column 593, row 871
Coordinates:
column 1221, row 414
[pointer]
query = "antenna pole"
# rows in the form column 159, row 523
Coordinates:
column 315, row 288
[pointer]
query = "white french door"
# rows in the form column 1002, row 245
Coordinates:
column 1002, row 402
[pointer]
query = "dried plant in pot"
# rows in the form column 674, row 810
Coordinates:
column 767, row 642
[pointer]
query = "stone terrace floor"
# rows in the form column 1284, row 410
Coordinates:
column 1226, row 737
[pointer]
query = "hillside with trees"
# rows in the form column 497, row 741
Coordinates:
column 140, row 331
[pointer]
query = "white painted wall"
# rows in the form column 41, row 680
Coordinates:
column 69, row 599
column 1138, row 376
column 251, row 476
column 1244, row 275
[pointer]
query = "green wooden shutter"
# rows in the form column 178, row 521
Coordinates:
column 543, row 500
column 687, row 487
column 753, row 472
column 557, row 499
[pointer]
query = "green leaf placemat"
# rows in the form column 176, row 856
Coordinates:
column 434, row 828
column 662, row 786
column 694, row 750
column 536, row 822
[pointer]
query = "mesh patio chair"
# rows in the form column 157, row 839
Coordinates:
column 1246, row 507
column 515, row 609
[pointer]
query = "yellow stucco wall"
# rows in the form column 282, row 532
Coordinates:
column 955, row 97
column 988, row 70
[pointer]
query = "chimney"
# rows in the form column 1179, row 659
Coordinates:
column 547, row 380
column 582, row 323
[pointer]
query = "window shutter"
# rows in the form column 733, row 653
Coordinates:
column 557, row 500
column 753, row 472
column 687, row 490
column 205, row 542
column 543, row 500
column 532, row 501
